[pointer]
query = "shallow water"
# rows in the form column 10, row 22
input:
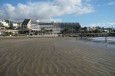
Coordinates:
column 102, row 39
column 94, row 43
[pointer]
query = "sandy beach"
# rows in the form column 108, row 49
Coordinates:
column 54, row 57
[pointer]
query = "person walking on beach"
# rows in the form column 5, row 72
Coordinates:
column 106, row 41
column 81, row 36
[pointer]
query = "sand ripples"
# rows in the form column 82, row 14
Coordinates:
column 45, row 57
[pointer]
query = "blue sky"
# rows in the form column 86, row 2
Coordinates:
column 86, row 12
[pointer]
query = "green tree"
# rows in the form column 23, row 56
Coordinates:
column 36, row 32
column 85, row 29
column 51, row 31
column 7, row 21
column 43, row 30
column 96, row 31
column 11, row 25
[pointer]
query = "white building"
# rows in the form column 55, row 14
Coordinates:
column 55, row 27
column 15, row 25
column 3, row 23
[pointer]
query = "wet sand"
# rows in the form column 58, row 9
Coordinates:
column 54, row 57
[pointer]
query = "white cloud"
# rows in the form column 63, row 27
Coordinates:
column 111, row 3
column 104, row 24
column 44, row 10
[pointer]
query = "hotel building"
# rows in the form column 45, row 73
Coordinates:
column 57, row 28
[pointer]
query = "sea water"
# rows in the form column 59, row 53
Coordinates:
column 110, row 40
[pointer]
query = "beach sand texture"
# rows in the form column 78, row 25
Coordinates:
column 54, row 57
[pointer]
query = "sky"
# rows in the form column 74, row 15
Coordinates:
column 86, row 12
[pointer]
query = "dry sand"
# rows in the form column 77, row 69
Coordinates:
column 54, row 57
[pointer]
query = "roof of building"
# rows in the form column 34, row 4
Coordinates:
column 25, row 22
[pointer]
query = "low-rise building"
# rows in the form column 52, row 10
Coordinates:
column 3, row 23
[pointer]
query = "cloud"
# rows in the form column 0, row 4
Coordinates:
column 111, row 3
column 104, row 24
column 44, row 9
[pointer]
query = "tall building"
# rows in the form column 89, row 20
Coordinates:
column 64, row 28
